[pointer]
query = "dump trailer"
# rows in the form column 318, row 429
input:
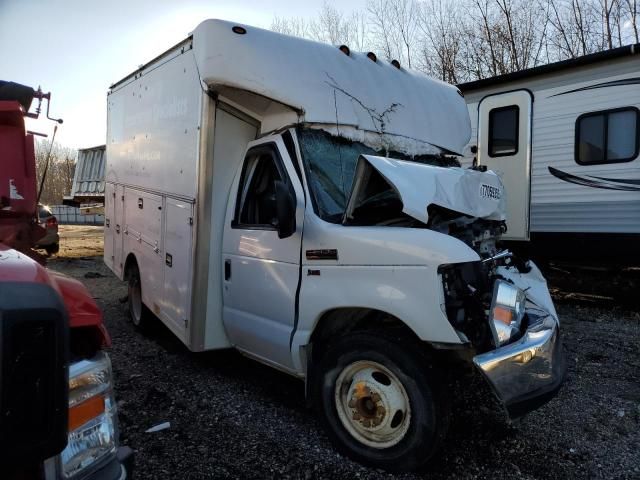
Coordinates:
column 303, row 204
column 87, row 190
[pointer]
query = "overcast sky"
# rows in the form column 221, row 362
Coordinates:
column 77, row 48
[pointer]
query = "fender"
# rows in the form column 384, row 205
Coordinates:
column 406, row 285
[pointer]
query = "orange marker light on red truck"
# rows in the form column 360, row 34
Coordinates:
column 85, row 411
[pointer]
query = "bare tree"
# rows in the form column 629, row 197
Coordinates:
column 441, row 40
column 461, row 40
column 60, row 171
column 631, row 7
column 384, row 33
column 405, row 19
column 294, row 26
column 331, row 26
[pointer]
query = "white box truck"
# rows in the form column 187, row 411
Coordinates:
column 300, row 203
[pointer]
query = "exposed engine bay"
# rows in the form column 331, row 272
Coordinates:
column 471, row 291
column 480, row 234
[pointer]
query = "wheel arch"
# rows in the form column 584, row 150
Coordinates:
column 344, row 320
column 129, row 262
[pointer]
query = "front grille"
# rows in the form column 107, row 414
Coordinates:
column 33, row 372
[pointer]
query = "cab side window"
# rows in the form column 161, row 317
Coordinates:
column 256, row 205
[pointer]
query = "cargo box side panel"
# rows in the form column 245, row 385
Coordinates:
column 233, row 131
column 152, row 135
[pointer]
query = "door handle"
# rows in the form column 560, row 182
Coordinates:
column 117, row 228
column 227, row 270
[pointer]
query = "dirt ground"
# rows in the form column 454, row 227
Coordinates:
column 78, row 241
column 234, row 418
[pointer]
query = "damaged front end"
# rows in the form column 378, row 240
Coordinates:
column 504, row 311
column 499, row 306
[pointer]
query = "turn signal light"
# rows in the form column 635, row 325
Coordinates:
column 85, row 411
column 502, row 314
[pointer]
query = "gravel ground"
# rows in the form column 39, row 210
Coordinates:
column 234, row 418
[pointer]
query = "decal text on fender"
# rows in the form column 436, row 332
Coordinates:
column 489, row 191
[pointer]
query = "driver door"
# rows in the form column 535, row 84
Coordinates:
column 261, row 271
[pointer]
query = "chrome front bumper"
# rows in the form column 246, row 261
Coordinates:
column 528, row 372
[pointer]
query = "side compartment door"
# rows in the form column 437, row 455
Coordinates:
column 143, row 232
column 109, row 224
column 118, row 229
column 504, row 146
column 177, row 263
column 113, row 221
column 261, row 272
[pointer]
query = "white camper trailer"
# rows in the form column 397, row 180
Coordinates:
column 297, row 202
column 565, row 137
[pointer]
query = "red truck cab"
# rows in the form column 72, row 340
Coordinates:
column 53, row 334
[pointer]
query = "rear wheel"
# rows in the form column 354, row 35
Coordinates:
column 378, row 401
column 138, row 312
column 52, row 249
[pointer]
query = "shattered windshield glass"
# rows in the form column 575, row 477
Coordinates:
column 330, row 164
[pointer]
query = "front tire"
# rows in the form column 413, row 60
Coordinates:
column 138, row 312
column 379, row 401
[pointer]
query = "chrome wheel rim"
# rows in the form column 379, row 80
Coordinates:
column 372, row 404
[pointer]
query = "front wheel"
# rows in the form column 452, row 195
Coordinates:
column 379, row 402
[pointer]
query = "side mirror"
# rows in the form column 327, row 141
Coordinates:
column 286, row 210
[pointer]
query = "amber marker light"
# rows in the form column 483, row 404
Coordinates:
column 502, row 314
column 85, row 411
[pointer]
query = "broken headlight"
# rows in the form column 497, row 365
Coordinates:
column 507, row 312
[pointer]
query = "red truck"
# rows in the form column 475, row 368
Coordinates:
column 58, row 417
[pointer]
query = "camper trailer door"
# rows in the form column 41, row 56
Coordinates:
column 504, row 145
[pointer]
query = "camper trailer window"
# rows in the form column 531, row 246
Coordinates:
column 503, row 131
column 609, row 136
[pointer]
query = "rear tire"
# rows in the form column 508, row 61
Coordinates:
column 139, row 314
column 52, row 249
column 379, row 401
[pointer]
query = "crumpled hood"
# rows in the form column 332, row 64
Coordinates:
column 470, row 192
